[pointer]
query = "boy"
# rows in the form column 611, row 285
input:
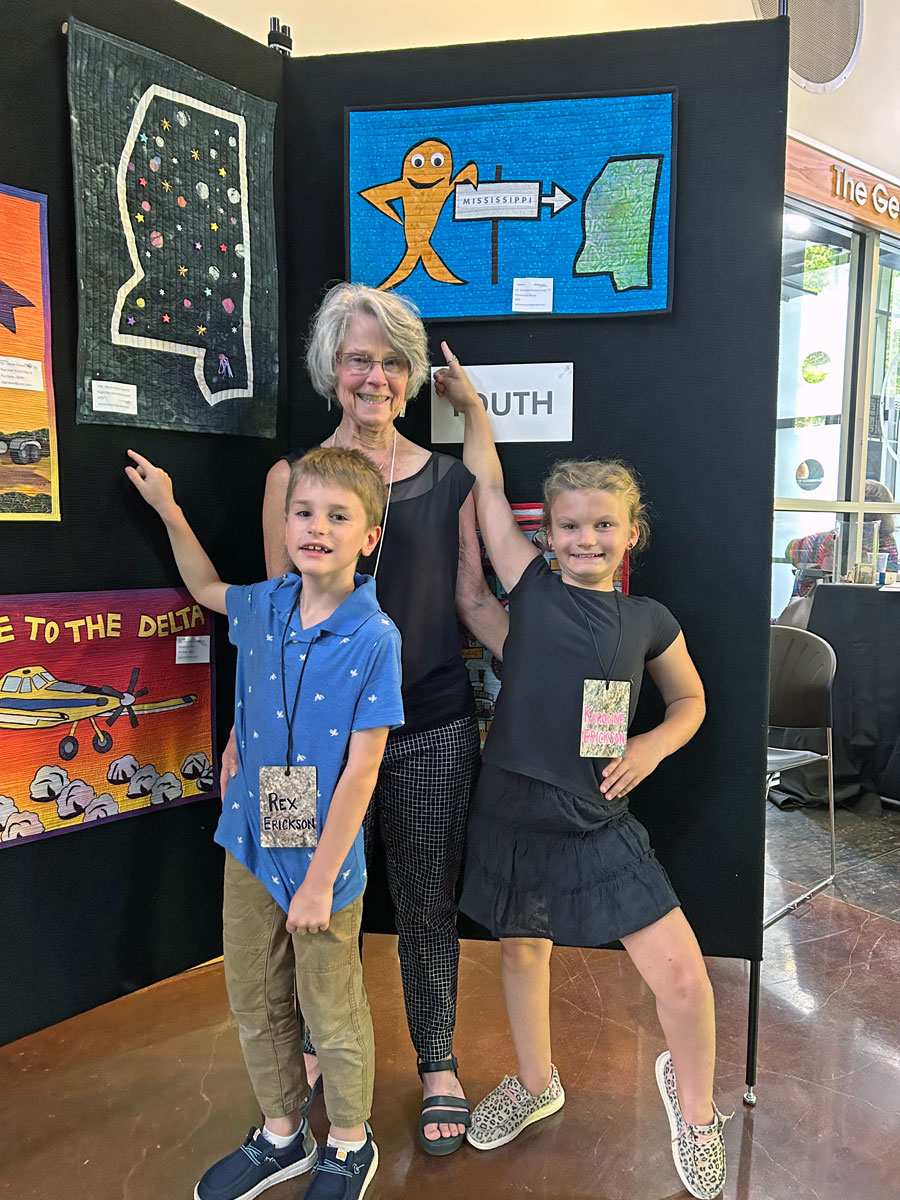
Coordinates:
column 317, row 689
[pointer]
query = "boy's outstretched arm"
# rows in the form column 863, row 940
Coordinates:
column 310, row 908
column 199, row 575
column 509, row 550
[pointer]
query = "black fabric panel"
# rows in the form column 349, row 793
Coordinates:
column 688, row 398
column 91, row 915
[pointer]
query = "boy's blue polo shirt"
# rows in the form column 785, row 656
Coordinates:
column 350, row 665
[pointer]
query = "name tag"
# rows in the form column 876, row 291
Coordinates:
column 604, row 718
column 287, row 808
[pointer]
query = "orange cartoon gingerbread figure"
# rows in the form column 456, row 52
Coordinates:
column 426, row 180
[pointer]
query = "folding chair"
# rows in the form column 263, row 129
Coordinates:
column 801, row 672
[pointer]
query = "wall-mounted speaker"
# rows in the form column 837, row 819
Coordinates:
column 825, row 38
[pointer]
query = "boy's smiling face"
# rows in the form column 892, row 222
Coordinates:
column 326, row 530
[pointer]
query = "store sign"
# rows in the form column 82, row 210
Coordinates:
column 526, row 402
column 856, row 191
column 818, row 174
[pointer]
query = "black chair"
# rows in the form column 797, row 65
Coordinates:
column 801, row 672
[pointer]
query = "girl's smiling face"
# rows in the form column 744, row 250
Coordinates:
column 589, row 534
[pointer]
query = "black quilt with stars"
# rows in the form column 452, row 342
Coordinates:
column 178, row 299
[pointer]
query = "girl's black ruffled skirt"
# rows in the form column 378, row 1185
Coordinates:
column 536, row 866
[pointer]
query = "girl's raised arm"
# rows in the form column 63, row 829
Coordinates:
column 509, row 550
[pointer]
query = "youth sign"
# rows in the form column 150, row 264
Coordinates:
column 526, row 402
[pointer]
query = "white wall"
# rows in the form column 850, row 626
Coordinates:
column 393, row 24
column 861, row 118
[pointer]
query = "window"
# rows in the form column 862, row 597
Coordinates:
column 837, row 455
column 884, row 409
column 815, row 304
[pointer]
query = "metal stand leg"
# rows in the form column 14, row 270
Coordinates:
column 752, row 1033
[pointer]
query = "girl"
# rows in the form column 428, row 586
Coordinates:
column 553, row 855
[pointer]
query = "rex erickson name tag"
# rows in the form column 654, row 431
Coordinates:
column 287, row 807
column 604, row 718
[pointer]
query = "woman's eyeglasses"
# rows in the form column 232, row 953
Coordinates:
column 362, row 364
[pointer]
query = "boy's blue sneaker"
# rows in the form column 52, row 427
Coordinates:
column 255, row 1166
column 343, row 1174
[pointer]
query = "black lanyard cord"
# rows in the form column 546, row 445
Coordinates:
column 289, row 716
column 612, row 666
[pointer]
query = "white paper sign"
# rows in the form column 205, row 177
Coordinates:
column 23, row 374
column 526, row 402
column 192, row 649
column 532, row 295
column 107, row 396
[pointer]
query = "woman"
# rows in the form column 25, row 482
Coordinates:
column 813, row 555
column 368, row 349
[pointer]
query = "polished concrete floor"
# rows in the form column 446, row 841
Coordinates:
column 135, row 1099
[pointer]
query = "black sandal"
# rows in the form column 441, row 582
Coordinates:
column 315, row 1090
column 442, row 1110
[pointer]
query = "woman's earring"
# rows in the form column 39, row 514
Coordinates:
column 329, row 404
column 403, row 409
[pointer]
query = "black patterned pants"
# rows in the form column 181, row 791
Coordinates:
column 421, row 803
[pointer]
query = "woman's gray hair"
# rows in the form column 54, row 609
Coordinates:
column 399, row 321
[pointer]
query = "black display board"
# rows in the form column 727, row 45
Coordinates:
column 91, row 915
column 688, row 398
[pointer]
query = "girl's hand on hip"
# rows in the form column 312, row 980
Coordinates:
column 452, row 383
column 620, row 775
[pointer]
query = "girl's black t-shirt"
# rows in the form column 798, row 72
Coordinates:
column 548, row 654
column 416, row 587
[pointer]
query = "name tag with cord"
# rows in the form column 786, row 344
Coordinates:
column 287, row 808
column 604, row 718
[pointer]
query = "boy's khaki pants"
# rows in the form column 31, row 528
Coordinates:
column 262, row 961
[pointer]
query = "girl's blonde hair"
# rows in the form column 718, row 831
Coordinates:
column 593, row 475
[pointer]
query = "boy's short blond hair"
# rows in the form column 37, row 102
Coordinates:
column 348, row 469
